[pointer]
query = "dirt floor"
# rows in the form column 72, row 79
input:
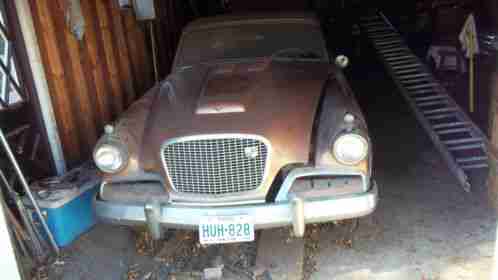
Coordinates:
column 426, row 226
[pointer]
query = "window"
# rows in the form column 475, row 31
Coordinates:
column 10, row 89
column 250, row 41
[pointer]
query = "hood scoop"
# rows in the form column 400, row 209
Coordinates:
column 226, row 88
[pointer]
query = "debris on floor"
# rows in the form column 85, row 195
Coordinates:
column 185, row 258
column 346, row 243
column 133, row 272
column 280, row 254
column 314, row 234
column 312, row 241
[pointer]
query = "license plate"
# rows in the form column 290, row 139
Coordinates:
column 226, row 229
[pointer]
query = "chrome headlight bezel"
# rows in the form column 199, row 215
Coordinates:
column 110, row 155
column 351, row 143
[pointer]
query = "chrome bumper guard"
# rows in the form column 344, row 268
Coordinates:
column 297, row 211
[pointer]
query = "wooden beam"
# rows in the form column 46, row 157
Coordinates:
column 83, row 97
column 137, row 47
column 96, row 63
column 127, row 78
column 77, row 85
column 110, row 56
column 56, row 81
column 93, row 80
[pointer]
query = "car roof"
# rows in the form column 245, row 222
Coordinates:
column 261, row 18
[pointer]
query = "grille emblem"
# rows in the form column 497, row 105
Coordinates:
column 251, row 152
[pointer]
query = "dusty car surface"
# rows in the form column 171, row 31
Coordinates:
column 254, row 128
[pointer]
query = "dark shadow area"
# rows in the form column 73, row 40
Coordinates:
column 426, row 226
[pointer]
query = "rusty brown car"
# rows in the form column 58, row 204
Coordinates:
column 254, row 128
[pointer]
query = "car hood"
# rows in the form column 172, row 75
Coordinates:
column 273, row 99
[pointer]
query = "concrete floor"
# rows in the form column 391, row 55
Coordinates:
column 426, row 226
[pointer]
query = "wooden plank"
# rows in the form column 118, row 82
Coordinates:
column 81, row 94
column 127, row 78
column 133, row 41
column 144, row 55
column 110, row 56
column 77, row 90
column 142, row 52
column 56, row 80
column 93, row 80
column 95, row 64
column 281, row 255
column 65, row 119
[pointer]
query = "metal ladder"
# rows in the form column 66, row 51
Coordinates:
column 461, row 143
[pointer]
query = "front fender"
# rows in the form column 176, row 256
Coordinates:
column 129, row 128
column 337, row 101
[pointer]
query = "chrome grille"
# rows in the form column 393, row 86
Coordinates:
column 215, row 164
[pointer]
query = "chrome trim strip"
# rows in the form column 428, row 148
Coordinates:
column 218, row 204
column 101, row 188
column 220, row 108
column 182, row 139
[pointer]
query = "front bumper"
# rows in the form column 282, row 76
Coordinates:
column 296, row 212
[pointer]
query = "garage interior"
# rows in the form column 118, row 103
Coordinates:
column 70, row 67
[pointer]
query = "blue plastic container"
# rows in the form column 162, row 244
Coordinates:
column 69, row 212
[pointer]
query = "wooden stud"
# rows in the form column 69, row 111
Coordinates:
column 81, row 94
column 135, row 50
column 56, row 81
column 95, row 64
column 110, row 56
column 127, row 77
column 77, row 89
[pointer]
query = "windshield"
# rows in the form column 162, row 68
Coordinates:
column 293, row 41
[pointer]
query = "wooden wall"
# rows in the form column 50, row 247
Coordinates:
column 93, row 80
column 172, row 16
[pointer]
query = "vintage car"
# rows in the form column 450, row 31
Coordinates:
column 254, row 128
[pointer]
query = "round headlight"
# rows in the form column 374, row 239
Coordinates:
column 109, row 158
column 350, row 149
